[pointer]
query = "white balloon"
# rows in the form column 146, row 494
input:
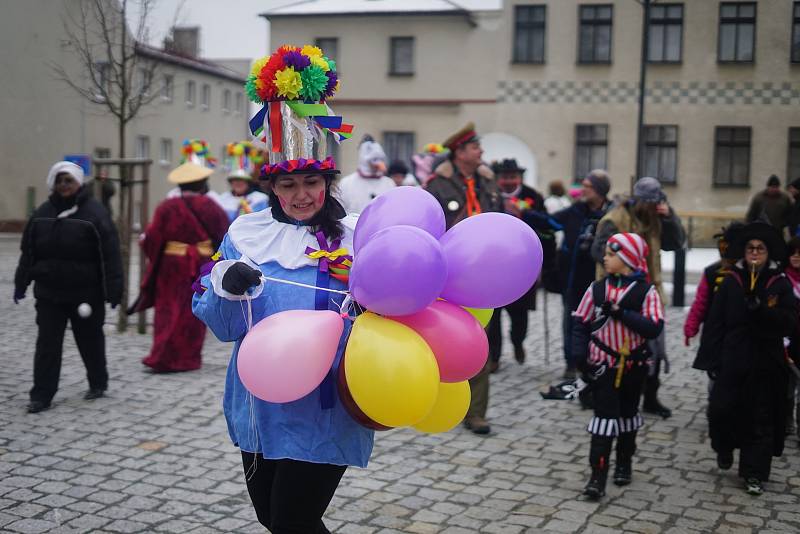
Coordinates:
column 84, row 310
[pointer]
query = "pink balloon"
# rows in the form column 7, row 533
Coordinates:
column 286, row 356
column 457, row 340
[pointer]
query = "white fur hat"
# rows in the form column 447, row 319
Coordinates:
column 67, row 167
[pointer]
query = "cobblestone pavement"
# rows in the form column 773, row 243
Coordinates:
column 154, row 455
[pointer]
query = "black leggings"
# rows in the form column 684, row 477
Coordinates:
column 290, row 496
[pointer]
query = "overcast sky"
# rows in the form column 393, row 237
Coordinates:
column 228, row 28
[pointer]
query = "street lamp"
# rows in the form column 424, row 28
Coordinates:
column 642, row 89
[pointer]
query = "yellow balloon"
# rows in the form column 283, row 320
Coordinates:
column 482, row 315
column 451, row 406
column 391, row 371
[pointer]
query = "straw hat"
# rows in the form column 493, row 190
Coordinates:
column 188, row 173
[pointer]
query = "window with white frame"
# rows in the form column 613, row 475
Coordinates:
column 226, row 101
column 166, row 151
column 168, row 88
column 205, row 97
column 191, row 93
column 142, row 146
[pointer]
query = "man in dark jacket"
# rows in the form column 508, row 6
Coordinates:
column 519, row 200
column 70, row 250
column 465, row 186
column 575, row 264
column 771, row 203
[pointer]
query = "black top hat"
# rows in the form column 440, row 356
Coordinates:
column 506, row 165
column 765, row 232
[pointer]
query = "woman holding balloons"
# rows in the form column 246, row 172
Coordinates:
column 297, row 444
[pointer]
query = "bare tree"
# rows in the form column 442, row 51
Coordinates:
column 119, row 79
column 114, row 75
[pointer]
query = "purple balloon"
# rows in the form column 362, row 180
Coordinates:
column 399, row 272
column 492, row 260
column 402, row 205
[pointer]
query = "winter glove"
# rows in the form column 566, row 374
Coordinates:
column 18, row 296
column 239, row 278
column 611, row 310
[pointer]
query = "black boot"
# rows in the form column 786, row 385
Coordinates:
column 599, row 453
column 623, row 469
column 651, row 403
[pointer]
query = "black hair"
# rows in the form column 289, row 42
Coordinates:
column 792, row 246
column 326, row 219
column 200, row 186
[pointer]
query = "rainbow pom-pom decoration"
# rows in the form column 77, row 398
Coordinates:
column 292, row 73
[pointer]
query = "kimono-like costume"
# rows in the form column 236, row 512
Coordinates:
column 180, row 239
column 315, row 428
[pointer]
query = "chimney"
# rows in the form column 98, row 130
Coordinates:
column 184, row 42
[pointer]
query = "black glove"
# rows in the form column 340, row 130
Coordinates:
column 239, row 278
column 609, row 310
column 18, row 296
column 712, row 374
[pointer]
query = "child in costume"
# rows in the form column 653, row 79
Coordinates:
column 793, row 274
column 753, row 312
column 244, row 196
column 713, row 275
column 613, row 322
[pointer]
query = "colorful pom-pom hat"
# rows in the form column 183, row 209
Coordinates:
column 197, row 151
column 239, row 160
column 295, row 123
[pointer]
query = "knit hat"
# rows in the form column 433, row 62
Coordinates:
column 66, row 167
column 648, row 189
column 773, row 181
column 631, row 249
column 600, row 182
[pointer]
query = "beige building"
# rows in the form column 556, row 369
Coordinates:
column 555, row 83
column 43, row 119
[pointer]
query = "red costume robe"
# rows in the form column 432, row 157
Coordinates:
column 188, row 220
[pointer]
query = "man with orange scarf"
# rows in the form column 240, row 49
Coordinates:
column 464, row 185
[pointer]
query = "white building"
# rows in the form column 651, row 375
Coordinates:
column 44, row 119
column 555, row 84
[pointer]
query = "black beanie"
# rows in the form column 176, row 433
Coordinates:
column 773, row 181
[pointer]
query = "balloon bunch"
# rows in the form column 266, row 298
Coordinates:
column 429, row 295
column 408, row 360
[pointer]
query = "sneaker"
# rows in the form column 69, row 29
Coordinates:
column 519, row 354
column 725, row 459
column 36, row 406
column 94, row 393
column 570, row 374
column 477, row 424
column 753, row 486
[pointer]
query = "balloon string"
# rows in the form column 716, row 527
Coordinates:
column 309, row 286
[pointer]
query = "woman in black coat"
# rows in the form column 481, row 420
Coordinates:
column 70, row 250
column 752, row 313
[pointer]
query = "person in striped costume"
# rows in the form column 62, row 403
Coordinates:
column 613, row 322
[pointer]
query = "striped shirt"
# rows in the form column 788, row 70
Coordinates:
column 613, row 333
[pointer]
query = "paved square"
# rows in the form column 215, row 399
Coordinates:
column 154, row 455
